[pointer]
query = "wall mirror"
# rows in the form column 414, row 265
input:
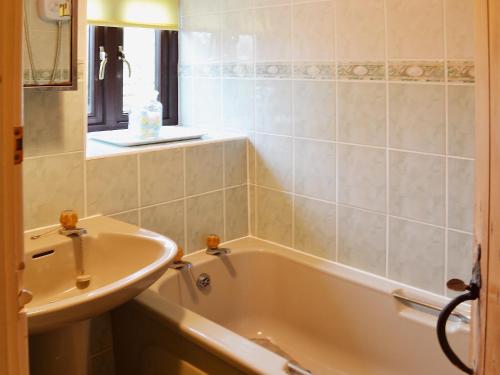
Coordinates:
column 50, row 44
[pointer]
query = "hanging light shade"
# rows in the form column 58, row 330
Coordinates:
column 158, row 14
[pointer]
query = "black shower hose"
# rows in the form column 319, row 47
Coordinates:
column 472, row 294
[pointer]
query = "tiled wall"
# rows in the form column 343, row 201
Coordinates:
column 360, row 113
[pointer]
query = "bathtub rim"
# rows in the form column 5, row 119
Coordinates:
column 232, row 346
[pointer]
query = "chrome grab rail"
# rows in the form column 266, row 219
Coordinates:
column 462, row 317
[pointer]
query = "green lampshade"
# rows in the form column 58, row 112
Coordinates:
column 158, row 14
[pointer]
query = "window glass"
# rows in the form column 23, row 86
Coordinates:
column 140, row 50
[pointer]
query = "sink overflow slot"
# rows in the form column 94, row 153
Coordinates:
column 42, row 254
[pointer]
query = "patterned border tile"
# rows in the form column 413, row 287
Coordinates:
column 62, row 75
column 361, row 70
column 273, row 70
column 238, row 70
column 418, row 71
column 314, row 70
column 185, row 70
column 461, row 71
column 207, row 70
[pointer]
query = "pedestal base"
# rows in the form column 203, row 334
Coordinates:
column 62, row 351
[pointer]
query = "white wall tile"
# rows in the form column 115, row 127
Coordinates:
column 460, row 194
column 273, row 106
column 52, row 184
column 460, row 259
column 314, row 28
column 361, row 30
column 460, row 29
column 236, row 212
column 238, row 103
column 274, row 216
column 315, row 227
column 112, row 185
column 162, row 176
column 205, row 215
column 201, row 39
column 362, row 113
column 204, row 170
column 166, row 219
column 235, row 163
column 362, row 177
column 315, row 169
column 416, row 254
column 274, row 161
column 417, row 118
column 314, row 109
column 273, row 33
column 415, row 29
column 461, row 121
column 207, row 111
column 238, row 37
column 361, row 240
column 417, row 187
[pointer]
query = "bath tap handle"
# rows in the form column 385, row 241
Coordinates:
column 213, row 248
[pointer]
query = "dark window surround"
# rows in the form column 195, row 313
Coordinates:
column 107, row 101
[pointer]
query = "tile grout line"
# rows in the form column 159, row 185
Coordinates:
column 292, row 120
column 337, row 127
column 139, row 200
column 387, row 141
column 224, row 217
column 185, row 200
column 255, row 166
column 446, row 168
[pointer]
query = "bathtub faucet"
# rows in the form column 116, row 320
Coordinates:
column 213, row 248
column 178, row 263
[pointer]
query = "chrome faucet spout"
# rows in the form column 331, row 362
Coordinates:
column 75, row 232
column 219, row 251
column 213, row 248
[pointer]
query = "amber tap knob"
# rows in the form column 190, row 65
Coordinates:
column 179, row 255
column 68, row 219
column 213, row 241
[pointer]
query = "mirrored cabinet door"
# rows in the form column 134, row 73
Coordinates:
column 50, row 44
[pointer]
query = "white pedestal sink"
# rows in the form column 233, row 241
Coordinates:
column 122, row 261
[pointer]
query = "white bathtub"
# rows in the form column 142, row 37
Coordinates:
column 329, row 318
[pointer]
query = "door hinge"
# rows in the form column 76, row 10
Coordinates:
column 18, row 144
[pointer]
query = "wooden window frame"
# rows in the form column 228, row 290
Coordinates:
column 107, row 99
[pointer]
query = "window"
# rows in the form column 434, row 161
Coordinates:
column 152, row 55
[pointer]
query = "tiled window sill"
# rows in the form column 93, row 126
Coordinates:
column 98, row 150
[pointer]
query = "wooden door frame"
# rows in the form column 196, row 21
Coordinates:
column 486, row 323
column 13, row 331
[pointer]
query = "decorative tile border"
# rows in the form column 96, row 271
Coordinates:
column 461, row 71
column 418, row 71
column 185, row 70
column 238, row 70
column 207, row 70
column 44, row 75
column 361, row 70
column 273, row 70
column 314, row 70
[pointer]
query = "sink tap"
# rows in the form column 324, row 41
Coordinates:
column 68, row 220
column 213, row 248
column 178, row 263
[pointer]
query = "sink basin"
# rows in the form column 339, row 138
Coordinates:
column 121, row 259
